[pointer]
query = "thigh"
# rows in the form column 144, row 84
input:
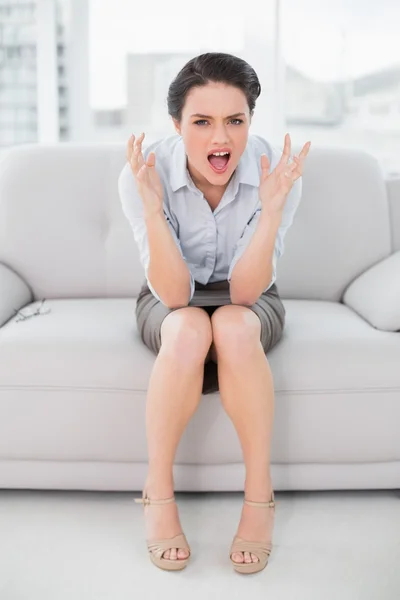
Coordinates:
column 212, row 353
column 150, row 315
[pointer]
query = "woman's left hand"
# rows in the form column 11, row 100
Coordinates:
column 275, row 186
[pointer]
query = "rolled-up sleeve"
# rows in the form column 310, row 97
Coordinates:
column 132, row 207
column 291, row 205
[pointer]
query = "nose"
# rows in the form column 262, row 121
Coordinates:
column 220, row 135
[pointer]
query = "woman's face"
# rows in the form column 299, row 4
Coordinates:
column 215, row 118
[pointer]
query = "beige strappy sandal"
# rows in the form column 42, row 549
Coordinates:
column 157, row 548
column 261, row 549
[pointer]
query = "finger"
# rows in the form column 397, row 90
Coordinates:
column 134, row 158
column 297, row 165
column 264, row 165
column 141, row 172
column 294, row 169
column 151, row 160
column 292, row 164
column 137, row 156
column 302, row 156
column 129, row 148
column 139, row 142
column 305, row 150
column 285, row 154
column 288, row 141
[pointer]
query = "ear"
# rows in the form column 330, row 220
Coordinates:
column 177, row 126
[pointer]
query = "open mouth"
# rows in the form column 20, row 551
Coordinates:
column 219, row 161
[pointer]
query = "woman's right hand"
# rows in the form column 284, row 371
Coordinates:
column 147, row 179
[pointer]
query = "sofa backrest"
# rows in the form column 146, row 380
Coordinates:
column 342, row 226
column 63, row 230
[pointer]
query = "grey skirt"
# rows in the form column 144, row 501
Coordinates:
column 150, row 314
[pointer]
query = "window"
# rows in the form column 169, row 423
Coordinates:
column 329, row 72
column 342, row 75
column 17, row 71
column 133, row 57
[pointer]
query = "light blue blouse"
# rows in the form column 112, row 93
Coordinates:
column 211, row 242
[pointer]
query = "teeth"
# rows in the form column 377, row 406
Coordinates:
column 220, row 153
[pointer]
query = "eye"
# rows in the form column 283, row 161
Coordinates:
column 201, row 122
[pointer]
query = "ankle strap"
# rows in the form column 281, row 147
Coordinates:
column 147, row 500
column 269, row 504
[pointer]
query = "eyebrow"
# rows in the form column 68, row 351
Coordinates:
column 208, row 116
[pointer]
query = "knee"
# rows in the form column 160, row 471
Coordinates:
column 186, row 334
column 236, row 332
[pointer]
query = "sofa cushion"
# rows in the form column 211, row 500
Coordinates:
column 375, row 294
column 73, row 387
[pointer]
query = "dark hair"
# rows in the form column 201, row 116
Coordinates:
column 217, row 67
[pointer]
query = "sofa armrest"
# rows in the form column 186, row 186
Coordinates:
column 14, row 293
column 393, row 188
column 375, row 295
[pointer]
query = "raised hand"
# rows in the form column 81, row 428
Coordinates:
column 147, row 179
column 275, row 186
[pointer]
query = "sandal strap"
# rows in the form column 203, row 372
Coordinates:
column 146, row 500
column 158, row 547
column 269, row 504
column 261, row 549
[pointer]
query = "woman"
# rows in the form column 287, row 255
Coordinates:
column 209, row 208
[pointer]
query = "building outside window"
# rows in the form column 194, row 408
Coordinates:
column 329, row 72
column 18, row 73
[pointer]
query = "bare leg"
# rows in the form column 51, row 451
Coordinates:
column 173, row 396
column 247, row 394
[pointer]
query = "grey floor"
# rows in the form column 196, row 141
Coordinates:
column 90, row 546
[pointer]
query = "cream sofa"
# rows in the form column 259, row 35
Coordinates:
column 73, row 377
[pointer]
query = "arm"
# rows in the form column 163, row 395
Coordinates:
column 14, row 293
column 166, row 271
column 262, row 241
column 256, row 257
column 255, row 270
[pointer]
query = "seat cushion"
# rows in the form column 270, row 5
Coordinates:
column 94, row 343
column 73, row 387
column 81, row 343
column 328, row 346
